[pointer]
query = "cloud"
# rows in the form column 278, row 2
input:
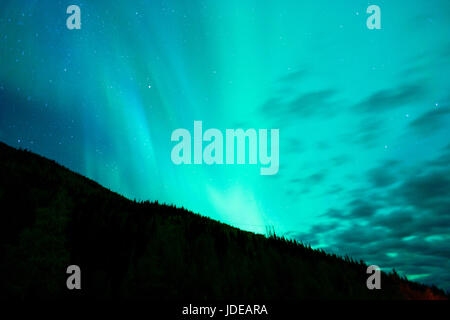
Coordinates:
column 310, row 103
column 443, row 161
column 293, row 145
column 271, row 105
column 402, row 224
column 340, row 160
column 431, row 121
column 367, row 133
column 386, row 99
column 293, row 76
column 303, row 105
column 306, row 184
column 292, row 104
column 427, row 192
column 362, row 208
column 384, row 175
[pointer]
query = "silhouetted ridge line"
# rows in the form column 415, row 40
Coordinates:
column 52, row 218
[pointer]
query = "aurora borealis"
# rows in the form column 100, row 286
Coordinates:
column 363, row 114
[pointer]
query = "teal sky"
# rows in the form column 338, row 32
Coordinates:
column 363, row 114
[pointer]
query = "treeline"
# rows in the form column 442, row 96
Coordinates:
column 52, row 218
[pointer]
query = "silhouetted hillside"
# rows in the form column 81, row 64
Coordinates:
column 51, row 218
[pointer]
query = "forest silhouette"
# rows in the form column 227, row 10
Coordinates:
column 52, row 218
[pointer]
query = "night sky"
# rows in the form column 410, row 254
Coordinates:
column 363, row 114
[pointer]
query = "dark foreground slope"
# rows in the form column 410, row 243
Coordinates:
column 51, row 218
